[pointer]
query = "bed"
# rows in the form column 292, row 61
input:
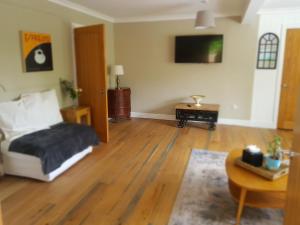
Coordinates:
column 38, row 144
column 30, row 166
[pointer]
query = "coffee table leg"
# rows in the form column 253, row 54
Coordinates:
column 211, row 126
column 241, row 205
column 181, row 123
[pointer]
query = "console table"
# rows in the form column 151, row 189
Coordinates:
column 205, row 113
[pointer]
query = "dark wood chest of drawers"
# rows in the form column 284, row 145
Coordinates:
column 119, row 105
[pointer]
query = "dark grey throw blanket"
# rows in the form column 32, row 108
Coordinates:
column 55, row 145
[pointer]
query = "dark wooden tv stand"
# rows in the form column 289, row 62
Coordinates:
column 205, row 113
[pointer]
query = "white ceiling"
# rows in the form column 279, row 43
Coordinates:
column 151, row 10
column 122, row 10
column 281, row 4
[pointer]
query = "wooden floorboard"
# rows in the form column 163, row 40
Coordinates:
column 132, row 180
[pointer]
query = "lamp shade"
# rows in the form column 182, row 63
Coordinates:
column 205, row 19
column 118, row 70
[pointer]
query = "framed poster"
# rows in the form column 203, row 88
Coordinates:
column 37, row 52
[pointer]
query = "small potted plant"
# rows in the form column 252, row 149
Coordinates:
column 69, row 88
column 274, row 156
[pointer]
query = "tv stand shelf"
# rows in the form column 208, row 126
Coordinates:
column 189, row 112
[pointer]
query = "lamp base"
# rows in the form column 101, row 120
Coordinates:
column 118, row 82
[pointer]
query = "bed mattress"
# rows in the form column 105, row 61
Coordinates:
column 30, row 166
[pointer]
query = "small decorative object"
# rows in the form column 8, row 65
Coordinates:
column 274, row 157
column 267, row 51
column 118, row 70
column 253, row 156
column 37, row 52
column 262, row 171
column 69, row 88
column 198, row 99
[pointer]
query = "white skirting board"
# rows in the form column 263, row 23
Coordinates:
column 235, row 122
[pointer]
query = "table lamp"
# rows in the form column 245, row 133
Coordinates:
column 118, row 71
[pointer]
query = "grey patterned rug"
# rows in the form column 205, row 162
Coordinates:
column 204, row 198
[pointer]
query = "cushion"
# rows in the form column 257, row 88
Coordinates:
column 45, row 107
column 33, row 105
column 14, row 120
column 33, row 112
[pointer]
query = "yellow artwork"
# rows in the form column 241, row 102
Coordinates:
column 37, row 51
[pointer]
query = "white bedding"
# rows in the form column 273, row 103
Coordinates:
column 30, row 166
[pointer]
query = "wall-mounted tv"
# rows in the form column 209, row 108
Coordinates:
column 199, row 49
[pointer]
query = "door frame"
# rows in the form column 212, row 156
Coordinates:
column 282, row 40
column 74, row 72
column 73, row 26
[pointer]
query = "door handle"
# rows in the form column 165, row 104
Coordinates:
column 78, row 90
column 284, row 85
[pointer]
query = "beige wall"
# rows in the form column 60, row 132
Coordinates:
column 44, row 17
column 157, row 83
column 145, row 49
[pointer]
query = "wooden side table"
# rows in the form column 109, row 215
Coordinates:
column 119, row 105
column 78, row 114
column 249, row 189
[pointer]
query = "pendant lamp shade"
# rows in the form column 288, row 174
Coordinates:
column 205, row 19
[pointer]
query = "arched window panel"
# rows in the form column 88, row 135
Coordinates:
column 267, row 51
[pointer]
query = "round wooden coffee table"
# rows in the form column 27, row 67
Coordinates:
column 249, row 189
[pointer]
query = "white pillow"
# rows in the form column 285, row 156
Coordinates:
column 45, row 105
column 33, row 104
column 14, row 119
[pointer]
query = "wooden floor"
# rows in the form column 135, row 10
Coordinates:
column 132, row 180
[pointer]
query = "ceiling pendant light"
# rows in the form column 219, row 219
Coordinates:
column 205, row 19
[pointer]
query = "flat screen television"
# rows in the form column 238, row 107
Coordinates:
column 199, row 49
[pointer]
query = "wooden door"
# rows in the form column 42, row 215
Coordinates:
column 293, row 197
column 290, row 81
column 91, row 75
column 1, row 220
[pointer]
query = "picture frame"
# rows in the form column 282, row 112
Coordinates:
column 268, row 48
column 36, row 51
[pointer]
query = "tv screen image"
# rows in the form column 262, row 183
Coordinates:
column 199, row 49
